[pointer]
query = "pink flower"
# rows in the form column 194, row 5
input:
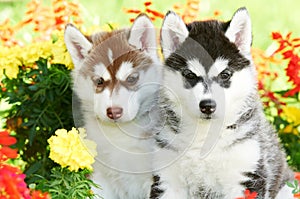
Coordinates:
column 12, row 183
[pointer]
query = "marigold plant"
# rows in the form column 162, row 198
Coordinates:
column 53, row 50
column 72, row 150
column 75, row 154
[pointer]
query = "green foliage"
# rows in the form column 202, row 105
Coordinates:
column 64, row 184
column 294, row 185
column 41, row 102
column 291, row 144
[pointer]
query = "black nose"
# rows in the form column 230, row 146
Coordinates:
column 207, row 106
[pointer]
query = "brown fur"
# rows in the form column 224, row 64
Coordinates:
column 122, row 51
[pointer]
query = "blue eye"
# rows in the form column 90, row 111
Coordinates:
column 133, row 78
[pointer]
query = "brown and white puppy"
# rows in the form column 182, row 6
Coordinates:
column 116, row 79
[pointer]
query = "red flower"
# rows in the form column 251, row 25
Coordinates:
column 297, row 176
column 248, row 195
column 37, row 194
column 147, row 3
column 293, row 72
column 6, row 139
column 276, row 35
column 5, row 151
column 134, row 11
column 155, row 13
column 12, row 183
column 289, row 48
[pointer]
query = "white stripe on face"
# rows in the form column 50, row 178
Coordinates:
column 101, row 71
column 196, row 67
column 110, row 55
column 219, row 65
column 126, row 69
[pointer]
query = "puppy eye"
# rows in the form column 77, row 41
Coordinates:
column 225, row 75
column 133, row 78
column 99, row 81
column 189, row 74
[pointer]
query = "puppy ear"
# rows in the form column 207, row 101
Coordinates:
column 143, row 36
column 239, row 31
column 173, row 33
column 77, row 44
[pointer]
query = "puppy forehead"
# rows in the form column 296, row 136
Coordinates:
column 125, row 69
column 196, row 67
column 218, row 66
column 101, row 71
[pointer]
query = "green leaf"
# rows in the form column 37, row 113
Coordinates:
column 42, row 64
column 33, row 168
column 33, row 87
column 289, row 184
column 296, row 183
column 32, row 134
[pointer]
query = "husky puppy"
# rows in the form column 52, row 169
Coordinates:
column 216, row 141
column 116, row 79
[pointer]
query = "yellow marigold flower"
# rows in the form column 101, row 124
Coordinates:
column 10, row 61
column 290, row 129
column 68, row 61
column 291, row 114
column 33, row 52
column 55, row 51
column 59, row 52
column 72, row 150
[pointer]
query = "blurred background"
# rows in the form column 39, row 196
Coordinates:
column 267, row 16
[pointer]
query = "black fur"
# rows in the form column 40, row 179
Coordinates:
column 210, row 35
column 169, row 117
column 161, row 142
column 156, row 192
column 206, row 42
column 257, row 181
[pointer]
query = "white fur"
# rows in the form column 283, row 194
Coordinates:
column 101, row 71
column 206, row 151
column 224, row 98
column 125, row 70
column 239, row 31
column 202, row 160
column 110, row 55
column 193, row 65
column 143, row 36
column 123, row 166
column 77, row 45
column 173, row 33
column 201, row 153
column 219, row 65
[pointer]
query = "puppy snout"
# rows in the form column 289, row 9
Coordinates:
column 207, row 106
column 114, row 113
